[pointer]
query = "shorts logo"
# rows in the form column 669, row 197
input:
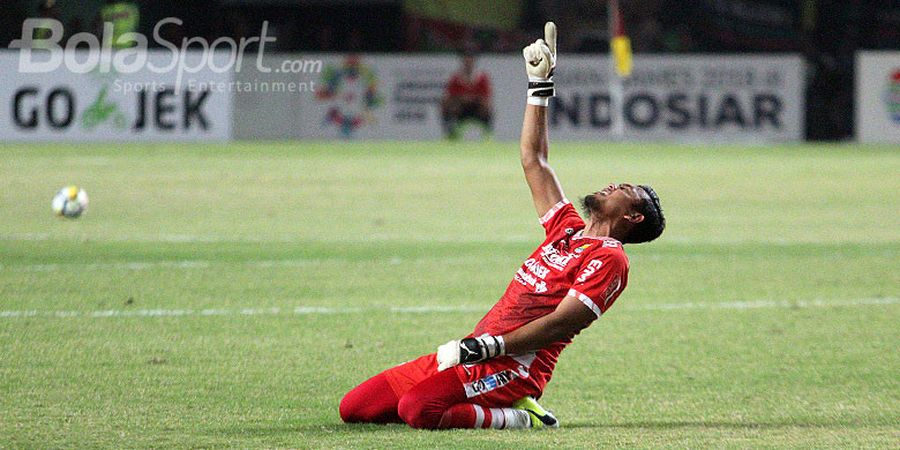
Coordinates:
column 493, row 381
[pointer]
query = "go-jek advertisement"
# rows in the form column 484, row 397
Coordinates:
column 99, row 105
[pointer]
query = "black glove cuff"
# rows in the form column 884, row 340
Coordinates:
column 541, row 89
column 475, row 350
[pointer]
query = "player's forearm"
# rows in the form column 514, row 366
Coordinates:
column 540, row 333
column 570, row 317
column 534, row 139
column 532, row 336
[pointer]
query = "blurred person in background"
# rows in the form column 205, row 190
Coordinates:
column 467, row 97
column 125, row 17
column 47, row 13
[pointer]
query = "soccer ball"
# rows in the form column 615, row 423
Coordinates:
column 70, row 202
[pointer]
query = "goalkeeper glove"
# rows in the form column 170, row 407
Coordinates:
column 469, row 351
column 540, row 61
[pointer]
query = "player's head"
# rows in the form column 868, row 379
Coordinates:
column 633, row 212
column 47, row 7
column 468, row 62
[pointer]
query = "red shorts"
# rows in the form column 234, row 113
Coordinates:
column 495, row 383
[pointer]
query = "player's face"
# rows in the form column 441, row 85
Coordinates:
column 616, row 200
column 468, row 64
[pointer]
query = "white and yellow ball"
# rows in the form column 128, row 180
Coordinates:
column 70, row 201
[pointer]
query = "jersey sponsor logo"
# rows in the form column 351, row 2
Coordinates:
column 609, row 243
column 591, row 269
column 551, row 256
column 493, row 381
column 527, row 279
column 537, row 268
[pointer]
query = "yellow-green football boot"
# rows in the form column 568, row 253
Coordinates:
column 540, row 417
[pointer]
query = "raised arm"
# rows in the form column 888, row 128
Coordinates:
column 540, row 61
column 545, row 188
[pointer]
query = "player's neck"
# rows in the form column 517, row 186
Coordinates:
column 599, row 228
column 594, row 228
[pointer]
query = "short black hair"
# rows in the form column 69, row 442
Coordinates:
column 654, row 221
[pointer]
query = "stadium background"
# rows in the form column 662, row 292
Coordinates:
column 245, row 260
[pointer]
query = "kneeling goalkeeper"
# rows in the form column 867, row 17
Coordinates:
column 491, row 378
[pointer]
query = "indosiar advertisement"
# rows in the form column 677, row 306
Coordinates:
column 671, row 98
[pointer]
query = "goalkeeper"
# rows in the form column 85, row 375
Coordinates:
column 492, row 378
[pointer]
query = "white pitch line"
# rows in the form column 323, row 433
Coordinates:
column 324, row 310
column 524, row 238
column 755, row 304
column 276, row 239
column 149, row 265
column 207, row 264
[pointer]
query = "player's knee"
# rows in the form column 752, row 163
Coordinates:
column 415, row 412
column 349, row 409
column 354, row 408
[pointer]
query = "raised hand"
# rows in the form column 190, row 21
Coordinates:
column 540, row 56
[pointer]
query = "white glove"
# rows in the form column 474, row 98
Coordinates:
column 540, row 61
column 469, row 351
column 540, row 57
column 448, row 355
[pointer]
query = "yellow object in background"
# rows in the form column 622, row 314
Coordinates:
column 621, row 53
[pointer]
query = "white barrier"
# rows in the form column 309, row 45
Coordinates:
column 877, row 112
column 680, row 98
column 107, row 106
column 674, row 98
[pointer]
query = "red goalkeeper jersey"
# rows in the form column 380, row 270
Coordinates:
column 593, row 270
column 479, row 85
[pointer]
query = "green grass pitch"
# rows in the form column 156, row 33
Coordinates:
column 229, row 295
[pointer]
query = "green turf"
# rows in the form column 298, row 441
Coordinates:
column 362, row 228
